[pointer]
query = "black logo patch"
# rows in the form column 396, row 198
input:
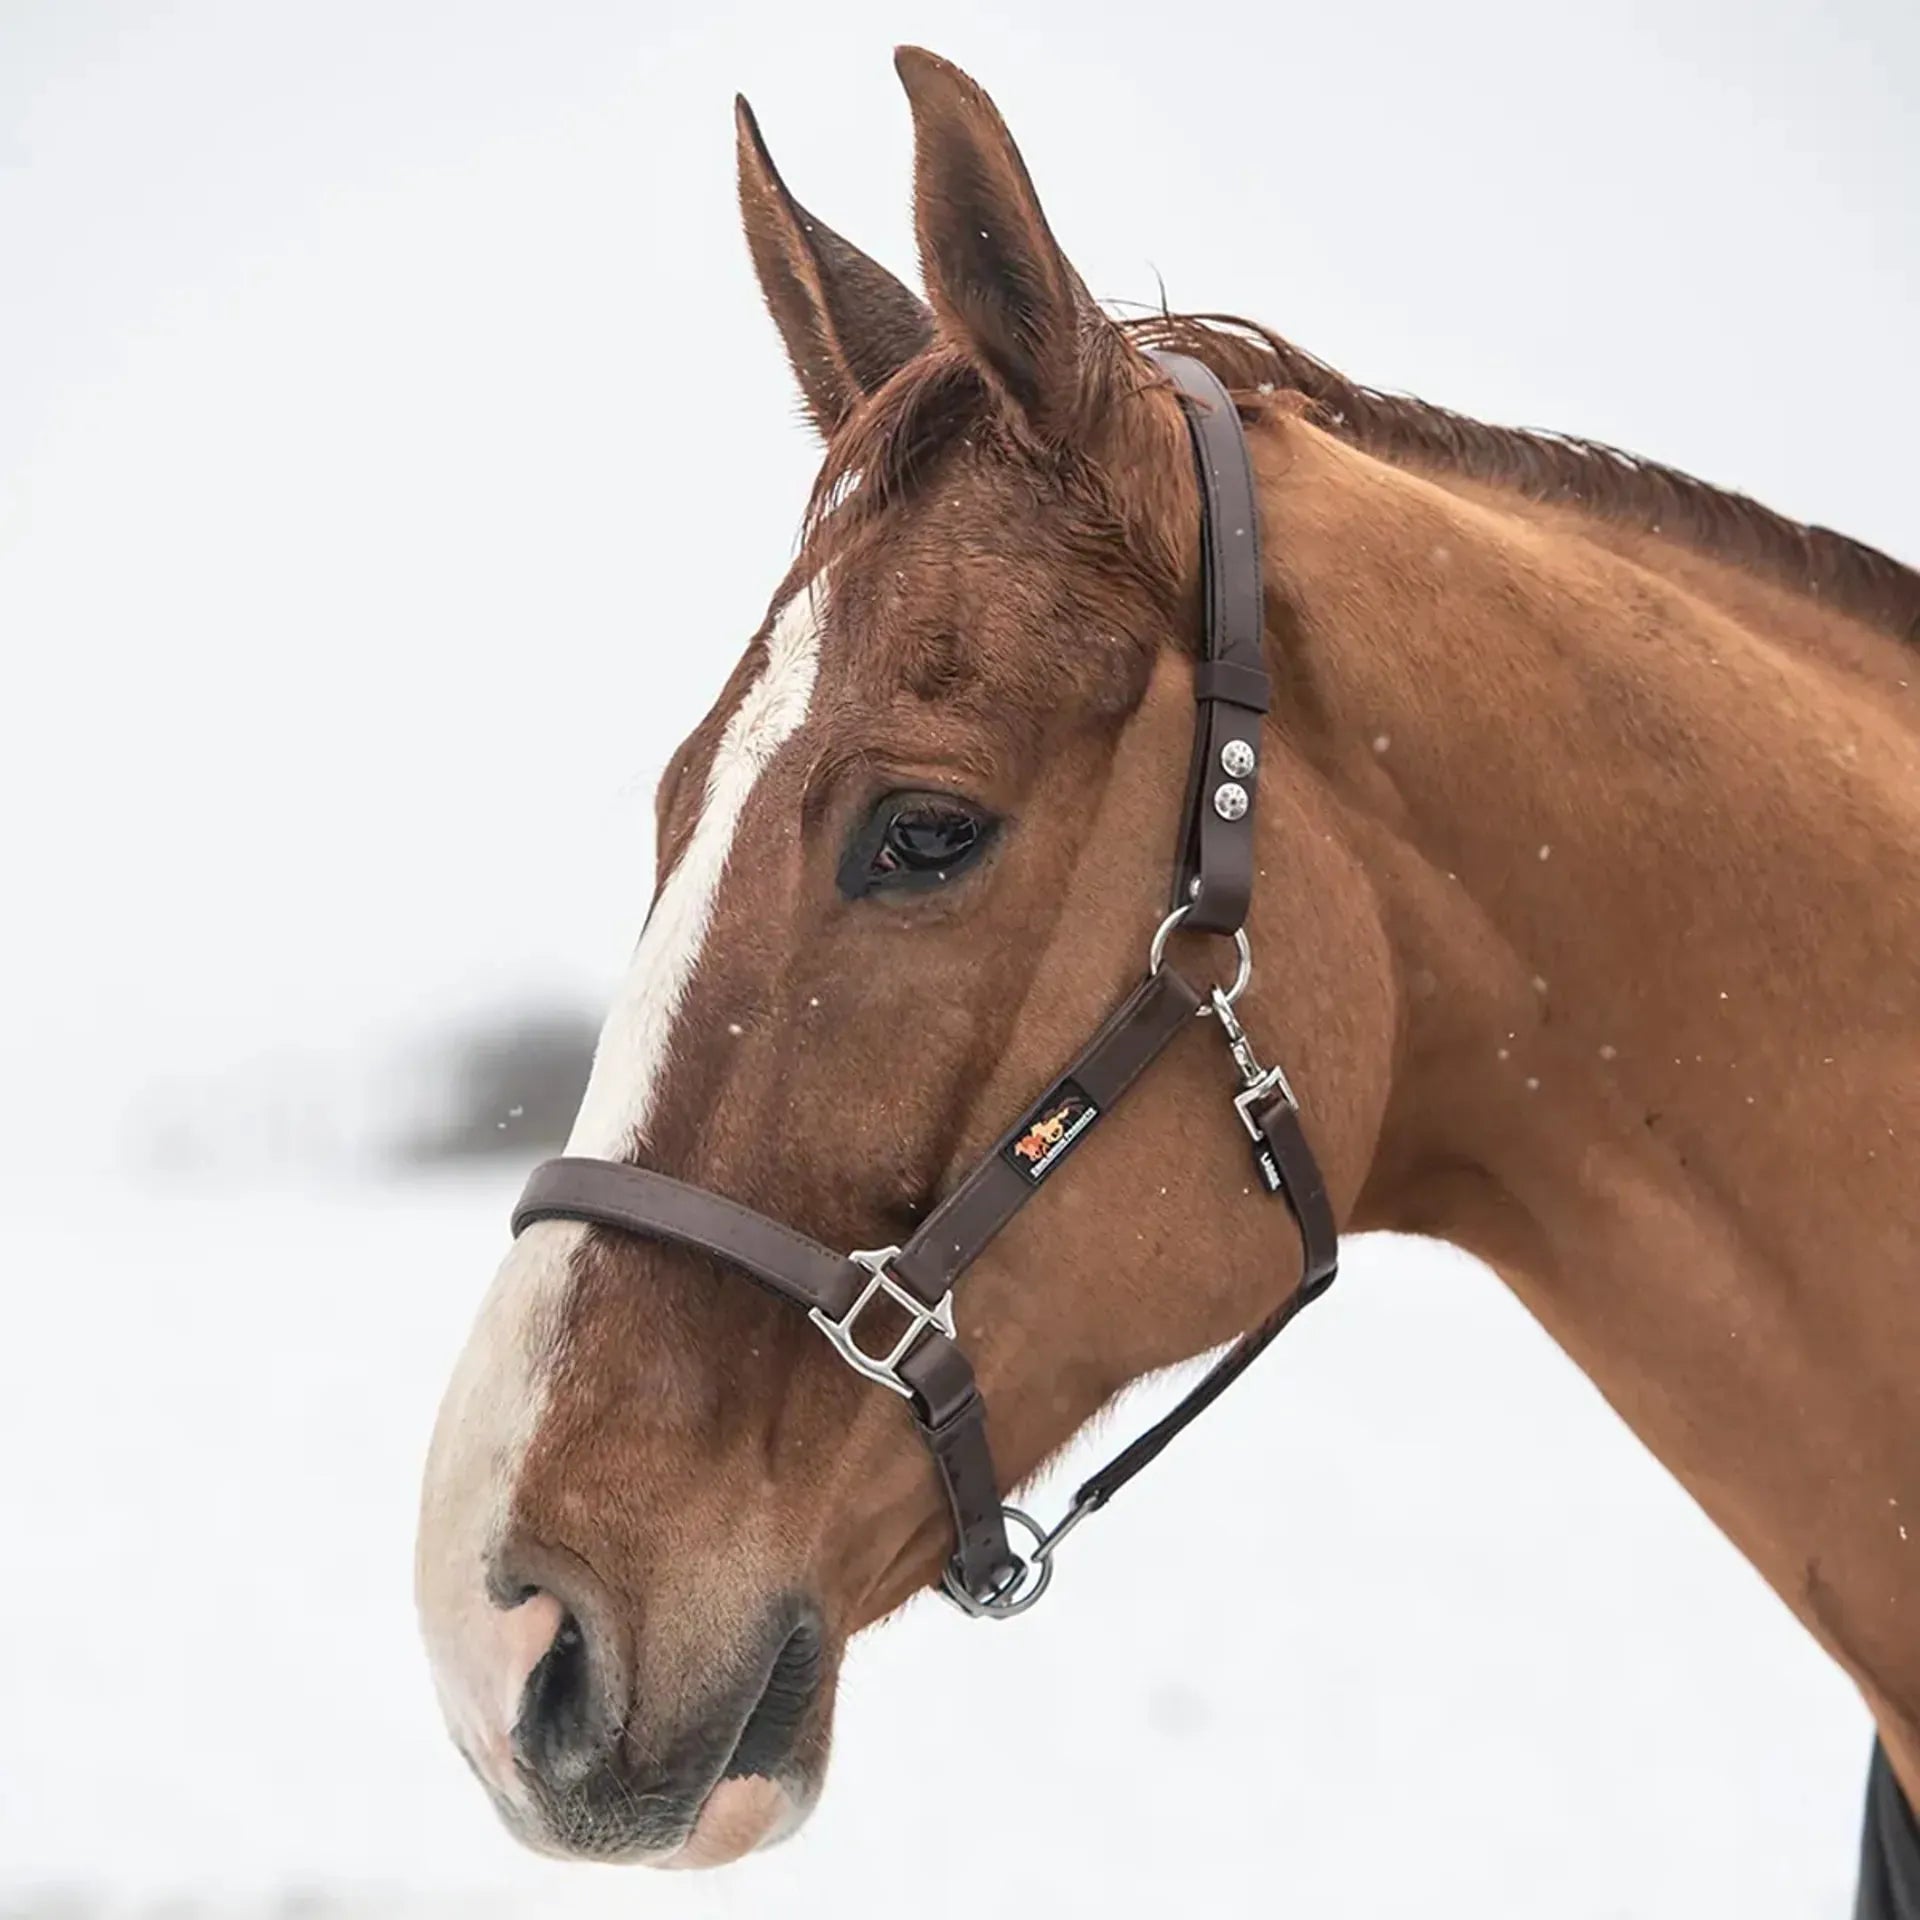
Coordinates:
column 1053, row 1128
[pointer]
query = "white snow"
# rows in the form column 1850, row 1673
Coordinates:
column 1409, row 1622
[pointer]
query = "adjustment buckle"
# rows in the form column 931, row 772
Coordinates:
column 1255, row 1095
column 1258, row 1085
column 883, row 1370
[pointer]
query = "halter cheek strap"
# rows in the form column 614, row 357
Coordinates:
column 924, row 1363
column 1213, row 875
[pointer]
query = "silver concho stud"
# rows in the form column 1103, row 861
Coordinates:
column 1230, row 800
column 1236, row 759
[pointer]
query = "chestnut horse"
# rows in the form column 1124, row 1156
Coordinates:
column 1589, row 895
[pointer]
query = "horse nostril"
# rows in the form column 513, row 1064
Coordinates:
column 792, row 1685
column 560, row 1733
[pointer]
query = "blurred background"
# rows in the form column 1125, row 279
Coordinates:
column 366, row 545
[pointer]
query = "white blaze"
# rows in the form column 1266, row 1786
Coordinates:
column 498, row 1395
column 637, row 1041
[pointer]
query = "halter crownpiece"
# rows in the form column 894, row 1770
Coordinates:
column 1213, row 886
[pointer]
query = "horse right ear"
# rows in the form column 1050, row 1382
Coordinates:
column 1000, row 284
column 847, row 323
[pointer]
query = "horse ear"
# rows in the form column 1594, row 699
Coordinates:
column 993, row 270
column 847, row 323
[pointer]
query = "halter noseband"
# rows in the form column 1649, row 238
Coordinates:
column 1213, row 885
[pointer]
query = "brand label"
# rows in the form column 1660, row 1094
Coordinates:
column 1059, row 1120
column 1267, row 1167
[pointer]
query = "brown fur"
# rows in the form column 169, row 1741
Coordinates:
column 1590, row 829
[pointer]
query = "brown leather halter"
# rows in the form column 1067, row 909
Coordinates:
column 1213, row 884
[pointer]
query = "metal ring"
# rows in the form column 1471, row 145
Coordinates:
column 1242, row 947
column 1028, row 1581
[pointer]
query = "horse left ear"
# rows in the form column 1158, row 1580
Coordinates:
column 846, row 322
column 996, row 276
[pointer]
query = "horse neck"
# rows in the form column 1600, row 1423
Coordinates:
column 1645, row 838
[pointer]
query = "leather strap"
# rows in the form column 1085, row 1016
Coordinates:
column 1229, row 681
column 639, row 1201
column 958, row 1230
column 1095, row 1492
column 946, row 1401
column 1213, row 871
column 983, row 1560
column 1306, row 1194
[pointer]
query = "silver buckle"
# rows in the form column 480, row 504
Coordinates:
column 1255, row 1095
column 883, row 1372
column 1256, row 1081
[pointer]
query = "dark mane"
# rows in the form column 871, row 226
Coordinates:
column 939, row 398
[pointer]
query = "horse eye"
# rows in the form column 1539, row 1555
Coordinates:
column 924, row 841
column 914, row 840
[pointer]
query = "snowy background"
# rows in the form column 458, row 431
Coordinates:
column 356, row 539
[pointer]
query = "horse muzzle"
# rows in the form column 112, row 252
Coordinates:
column 633, row 1743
